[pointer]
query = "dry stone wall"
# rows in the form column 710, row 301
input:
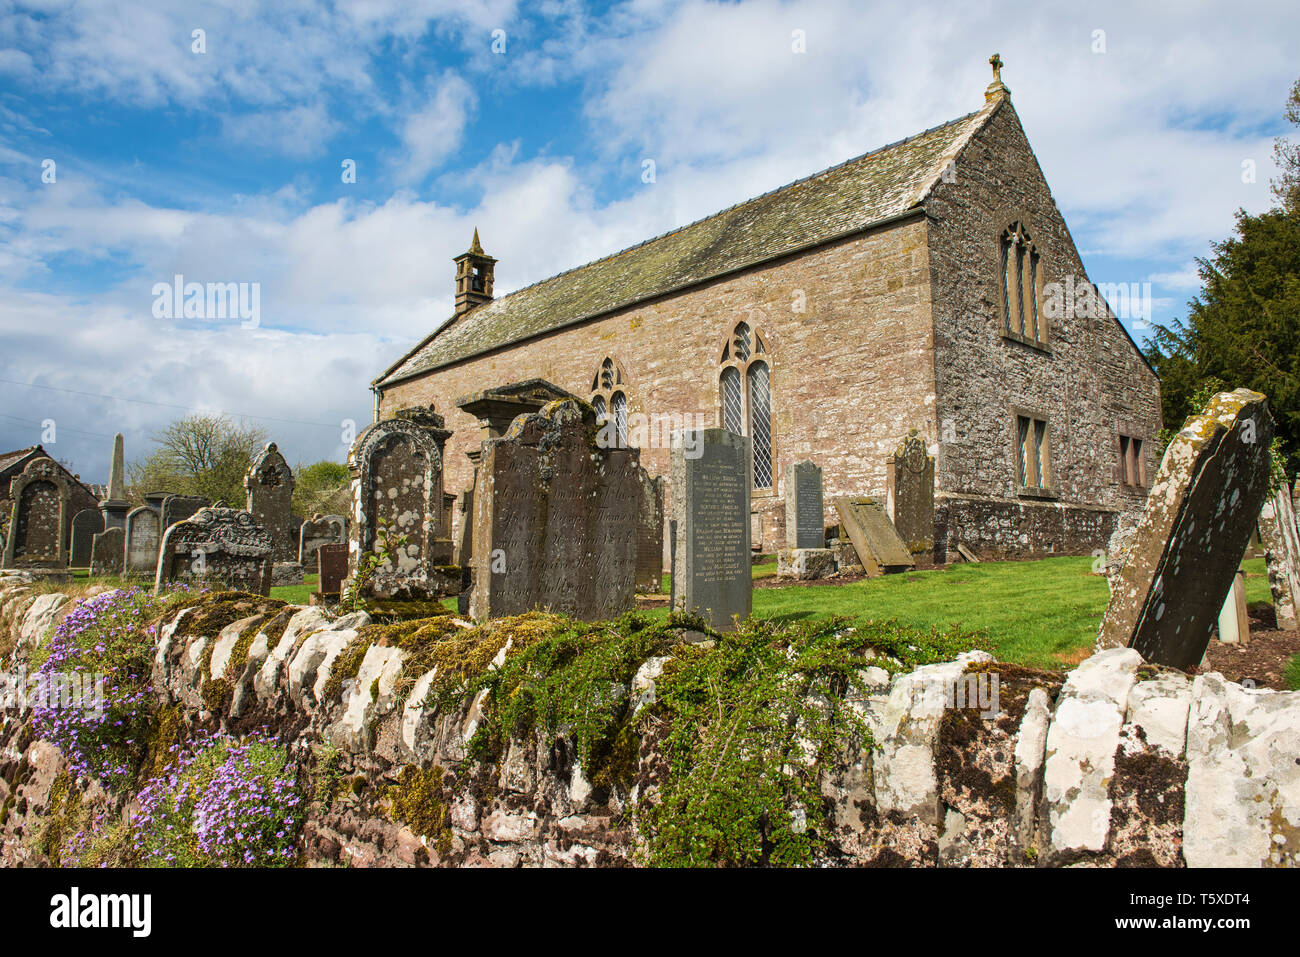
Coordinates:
column 1116, row 762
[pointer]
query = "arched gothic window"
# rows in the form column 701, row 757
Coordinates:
column 609, row 398
column 1022, row 294
column 745, row 395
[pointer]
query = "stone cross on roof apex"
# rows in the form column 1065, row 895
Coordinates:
column 997, row 88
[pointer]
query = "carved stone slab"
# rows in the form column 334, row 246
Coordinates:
column 220, row 547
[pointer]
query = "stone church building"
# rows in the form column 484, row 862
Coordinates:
column 911, row 287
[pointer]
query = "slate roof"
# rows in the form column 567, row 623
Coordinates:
column 841, row 200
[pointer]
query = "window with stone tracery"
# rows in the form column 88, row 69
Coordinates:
column 1022, row 287
column 745, row 396
column 609, row 398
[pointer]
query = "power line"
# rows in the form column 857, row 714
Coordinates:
column 63, row 428
column 168, row 405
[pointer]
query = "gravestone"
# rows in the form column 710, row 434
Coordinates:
column 155, row 500
column 650, row 535
column 317, row 531
column 39, row 497
column 709, row 527
column 396, row 469
column 221, row 548
column 495, row 409
column 269, row 483
column 115, row 506
column 555, row 519
column 108, row 552
column 805, row 518
column 1199, row 517
column 1234, row 618
column 1281, row 540
column 86, row 524
column 177, row 508
column 332, row 567
column 143, row 537
column 880, row 548
column 909, row 493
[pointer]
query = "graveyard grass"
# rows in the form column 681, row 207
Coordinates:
column 1041, row 614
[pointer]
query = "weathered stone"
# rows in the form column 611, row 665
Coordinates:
column 1280, row 536
column 332, row 568
column 286, row 573
column 709, row 528
column 805, row 512
column 85, row 525
column 909, row 495
column 143, row 536
column 108, row 552
column 805, row 564
column 317, row 531
column 650, row 535
column 40, row 495
column 1199, row 517
column 396, row 468
column 1243, row 778
column 1158, row 708
column 218, row 546
column 270, row 483
column 879, row 547
column 555, row 519
column 1081, row 749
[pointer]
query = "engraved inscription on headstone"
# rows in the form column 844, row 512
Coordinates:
column 804, row 511
column 710, row 512
column 332, row 566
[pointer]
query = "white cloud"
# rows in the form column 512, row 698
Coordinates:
column 433, row 133
column 297, row 132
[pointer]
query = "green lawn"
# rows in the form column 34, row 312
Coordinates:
column 1041, row 613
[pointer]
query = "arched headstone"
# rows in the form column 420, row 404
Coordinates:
column 40, row 495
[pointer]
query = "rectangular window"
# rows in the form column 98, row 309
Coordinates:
column 1132, row 467
column 1035, row 461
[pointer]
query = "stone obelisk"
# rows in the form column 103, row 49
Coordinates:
column 115, row 507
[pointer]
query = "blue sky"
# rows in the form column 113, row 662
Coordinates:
column 531, row 122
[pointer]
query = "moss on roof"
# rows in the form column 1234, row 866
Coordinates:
column 843, row 199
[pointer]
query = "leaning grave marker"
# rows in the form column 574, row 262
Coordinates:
column 879, row 547
column 1200, row 513
column 143, row 537
column 555, row 519
column 709, row 528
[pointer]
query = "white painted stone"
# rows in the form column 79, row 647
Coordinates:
column 39, row 619
column 309, row 669
column 415, row 733
column 643, row 682
column 510, row 827
column 353, row 731
column 1081, row 745
column 1030, row 753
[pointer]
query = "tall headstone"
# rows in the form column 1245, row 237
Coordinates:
column 1200, row 513
column 317, row 531
column 39, row 497
column 115, row 506
column 177, row 508
column 396, row 469
column 709, row 526
column 805, row 519
column 143, row 538
column 555, row 518
column 217, row 547
column 650, row 535
column 879, row 547
column 86, row 524
column 269, row 483
column 909, row 493
column 108, row 552
column 155, row 500
column 1281, row 540
column 494, row 409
